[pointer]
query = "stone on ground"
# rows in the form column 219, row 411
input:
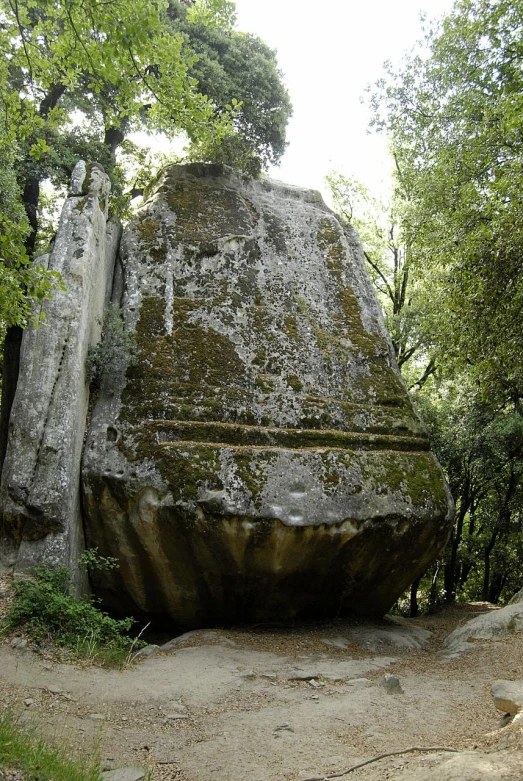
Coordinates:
column 508, row 696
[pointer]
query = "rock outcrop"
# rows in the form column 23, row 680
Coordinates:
column 261, row 458
column 40, row 488
column 493, row 624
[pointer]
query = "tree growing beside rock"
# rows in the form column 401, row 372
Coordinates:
column 77, row 78
column 455, row 126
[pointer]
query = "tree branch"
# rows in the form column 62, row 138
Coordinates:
column 410, row 750
column 430, row 369
column 380, row 274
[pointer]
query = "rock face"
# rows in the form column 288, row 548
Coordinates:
column 491, row 625
column 40, row 488
column 261, row 458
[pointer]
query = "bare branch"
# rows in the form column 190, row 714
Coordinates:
column 378, row 271
column 383, row 756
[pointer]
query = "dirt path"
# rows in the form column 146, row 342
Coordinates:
column 273, row 704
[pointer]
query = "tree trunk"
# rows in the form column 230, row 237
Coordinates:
column 433, row 594
column 414, row 608
column 486, row 575
column 457, row 534
column 11, row 365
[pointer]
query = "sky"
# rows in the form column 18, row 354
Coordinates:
column 329, row 51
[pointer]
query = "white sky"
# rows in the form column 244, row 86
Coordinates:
column 329, row 52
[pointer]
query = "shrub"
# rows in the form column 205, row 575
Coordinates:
column 44, row 607
column 108, row 361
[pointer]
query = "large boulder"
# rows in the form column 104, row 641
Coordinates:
column 261, row 458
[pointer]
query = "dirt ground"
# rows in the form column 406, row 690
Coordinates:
column 273, row 703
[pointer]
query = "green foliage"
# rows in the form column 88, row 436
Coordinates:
column 456, row 125
column 48, row 613
column 118, row 66
column 108, row 361
column 406, row 293
column 454, row 120
column 23, row 285
column 22, row 751
column 239, row 73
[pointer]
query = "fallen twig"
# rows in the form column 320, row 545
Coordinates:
column 382, row 756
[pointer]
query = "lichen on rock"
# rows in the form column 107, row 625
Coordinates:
column 264, row 459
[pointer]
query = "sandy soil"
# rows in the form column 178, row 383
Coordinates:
column 271, row 703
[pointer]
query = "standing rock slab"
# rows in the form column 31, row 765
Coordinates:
column 40, row 486
column 263, row 458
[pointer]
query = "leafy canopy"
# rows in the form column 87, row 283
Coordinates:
column 455, row 121
column 118, row 64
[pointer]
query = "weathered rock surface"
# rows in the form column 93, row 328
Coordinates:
column 470, row 766
column 508, row 696
column 262, row 457
column 40, row 488
column 491, row 625
column 392, row 632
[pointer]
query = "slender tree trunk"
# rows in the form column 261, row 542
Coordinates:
column 486, row 574
column 433, row 594
column 414, row 608
column 10, row 369
column 455, row 540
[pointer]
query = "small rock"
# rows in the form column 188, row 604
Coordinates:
column 508, row 696
column 391, row 684
column 145, row 653
column 285, row 727
column 124, row 774
column 301, row 676
column 363, row 682
column 336, row 642
column 28, row 702
column 248, row 674
column 54, row 690
column 269, row 676
column 315, row 684
column 19, row 643
column 314, row 697
column 207, row 636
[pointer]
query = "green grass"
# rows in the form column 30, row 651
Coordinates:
column 21, row 751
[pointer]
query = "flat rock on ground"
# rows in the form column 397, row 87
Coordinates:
column 492, row 624
column 277, row 704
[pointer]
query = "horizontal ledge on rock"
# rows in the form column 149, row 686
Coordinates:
column 282, row 449
column 171, row 432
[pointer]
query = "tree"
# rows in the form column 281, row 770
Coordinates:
column 235, row 68
column 402, row 289
column 455, row 122
column 120, row 65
